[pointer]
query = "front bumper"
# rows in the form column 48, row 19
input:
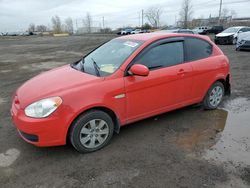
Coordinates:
column 224, row 40
column 50, row 131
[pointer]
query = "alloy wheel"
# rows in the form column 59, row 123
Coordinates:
column 94, row 133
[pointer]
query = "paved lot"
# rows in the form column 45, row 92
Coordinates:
column 184, row 148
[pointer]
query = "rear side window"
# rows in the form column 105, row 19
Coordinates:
column 245, row 29
column 163, row 55
column 197, row 49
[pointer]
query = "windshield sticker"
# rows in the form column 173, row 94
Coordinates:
column 130, row 44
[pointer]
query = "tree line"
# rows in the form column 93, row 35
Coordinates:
column 153, row 15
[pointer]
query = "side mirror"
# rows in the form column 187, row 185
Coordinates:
column 240, row 31
column 139, row 70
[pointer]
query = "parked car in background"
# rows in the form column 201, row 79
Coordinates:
column 215, row 29
column 126, row 31
column 176, row 31
column 13, row 33
column 127, row 79
column 136, row 31
column 230, row 35
column 243, row 41
column 201, row 30
column 26, row 33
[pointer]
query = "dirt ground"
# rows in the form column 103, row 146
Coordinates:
column 188, row 147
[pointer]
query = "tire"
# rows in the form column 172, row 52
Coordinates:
column 91, row 131
column 214, row 96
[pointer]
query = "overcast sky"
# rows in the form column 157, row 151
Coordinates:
column 16, row 15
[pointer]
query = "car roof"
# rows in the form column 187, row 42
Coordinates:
column 156, row 36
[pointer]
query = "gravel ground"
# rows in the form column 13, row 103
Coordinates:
column 188, row 147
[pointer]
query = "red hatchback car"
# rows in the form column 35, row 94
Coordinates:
column 122, row 81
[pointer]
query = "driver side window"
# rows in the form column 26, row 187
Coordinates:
column 163, row 55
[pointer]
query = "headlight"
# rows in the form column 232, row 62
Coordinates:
column 43, row 108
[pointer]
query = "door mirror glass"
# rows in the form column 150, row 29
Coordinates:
column 139, row 70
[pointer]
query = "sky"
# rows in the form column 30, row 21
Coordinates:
column 16, row 15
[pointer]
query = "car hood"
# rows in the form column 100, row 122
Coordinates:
column 53, row 83
column 224, row 34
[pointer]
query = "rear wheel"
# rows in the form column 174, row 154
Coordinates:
column 214, row 96
column 91, row 131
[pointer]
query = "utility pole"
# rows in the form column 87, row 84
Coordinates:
column 139, row 19
column 76, row 26
column 142, row 15
column 220, row 12
column 103, row 22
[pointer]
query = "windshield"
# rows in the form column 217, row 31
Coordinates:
column 231, row 30
column 108, row 58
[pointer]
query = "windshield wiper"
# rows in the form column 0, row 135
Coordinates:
column 97, row 68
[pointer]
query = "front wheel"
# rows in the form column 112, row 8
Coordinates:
column 214, row 96
column 91, row 131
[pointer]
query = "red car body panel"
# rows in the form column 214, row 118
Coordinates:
column 131, row 98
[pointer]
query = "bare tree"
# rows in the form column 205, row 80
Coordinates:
column 153, row 15
column 233, row 13
column 228, row 13
column 56, row 24
column 41, row 28
column 224, row 13
column 186, row 12
column 69, row 25
column 87, row 22
column 31, row 27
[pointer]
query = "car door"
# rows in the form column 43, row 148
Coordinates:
column 205, row 66
column 167, row 85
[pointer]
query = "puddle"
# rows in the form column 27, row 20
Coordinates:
column 234, row 142
column 221, row 135
column 202, row 133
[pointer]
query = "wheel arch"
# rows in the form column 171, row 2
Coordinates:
column 226, row 83
column 107, row 110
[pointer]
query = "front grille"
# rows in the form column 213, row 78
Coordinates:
column 30, row 137
column 224, row 40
